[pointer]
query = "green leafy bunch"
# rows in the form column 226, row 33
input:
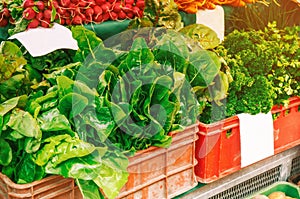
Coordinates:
column 151, row 85
column 82, row 113
column 38, row 139
column 273, row 53
column 264, row 65
column 39, row 135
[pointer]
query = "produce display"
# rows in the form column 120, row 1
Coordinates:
column 66, row 113
column 83, row 113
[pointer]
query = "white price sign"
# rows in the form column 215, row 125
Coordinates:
column 257, row 137
column 41, row 41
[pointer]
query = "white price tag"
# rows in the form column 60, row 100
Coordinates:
column 41, row 41
column 257, row 137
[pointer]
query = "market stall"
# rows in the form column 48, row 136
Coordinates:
column 149, row 99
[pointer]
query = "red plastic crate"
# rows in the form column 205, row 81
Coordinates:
column 218, row 149
column 163, row 172
column 287, row 125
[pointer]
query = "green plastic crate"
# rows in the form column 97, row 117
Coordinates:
column 288, row 188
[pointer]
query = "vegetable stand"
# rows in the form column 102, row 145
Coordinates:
column 142, row 99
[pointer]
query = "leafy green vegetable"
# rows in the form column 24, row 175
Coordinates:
column 53, row 120
column 202, row 67
column 52, row 61
column 87, row 41
column 60, row 148
column 72, row 104
column 152, row 91
column 24, row 123
column 95, row 167
column 8, row 105
column 264, row 65
column 69, row 70
column 20, row 136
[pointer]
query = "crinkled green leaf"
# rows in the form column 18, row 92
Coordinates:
column 22, row 122
column 58, row 149
column 48, row 151
column 120, row 111
column 53, row 120
column 174, row 45
column 68, row 70
column 102, row 123
column 107, row 171
column 218, row 90
column 138, row 57
column 105, row 82
column 13, row 86
column 31, row 145
column 71, row 149
column 65, row 85
column 113, row 174
column 15, row 135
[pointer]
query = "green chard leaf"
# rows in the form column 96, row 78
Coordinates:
column 22, row 122
column 87, row 41
column 53, row 120
column 107, row 171
column 60, row 148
